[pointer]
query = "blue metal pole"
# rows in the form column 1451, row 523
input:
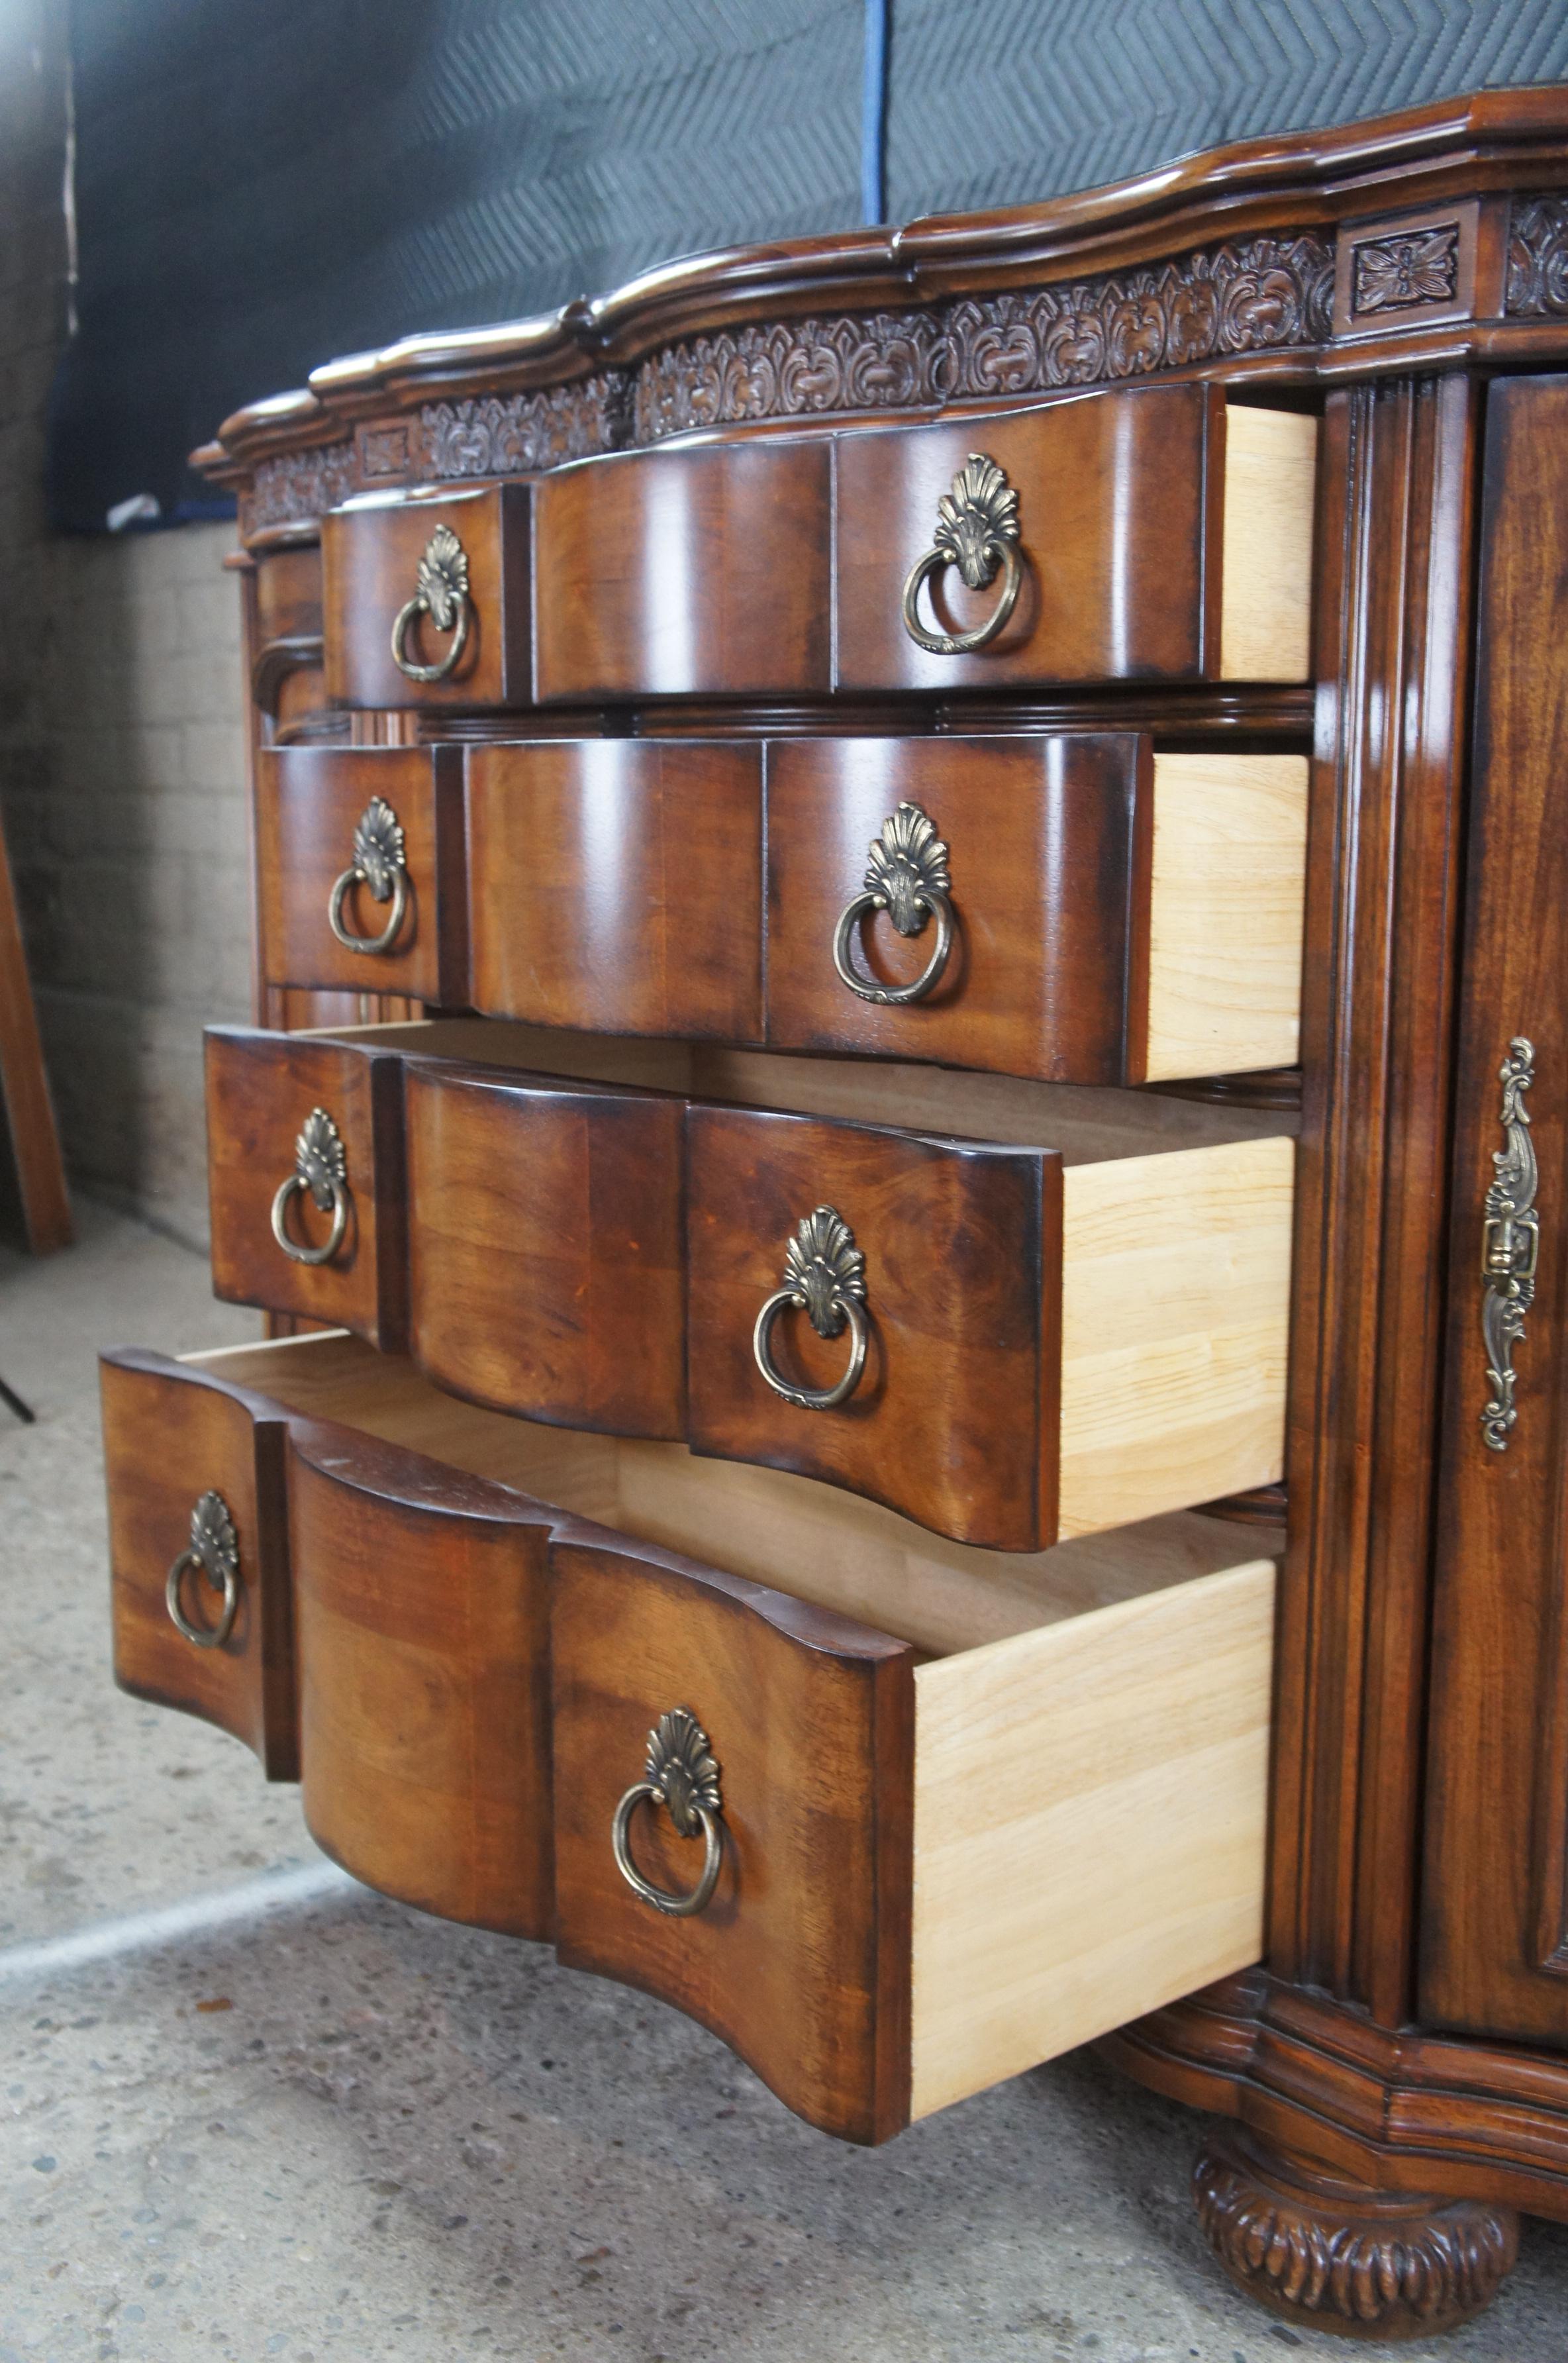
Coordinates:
column 874, row 113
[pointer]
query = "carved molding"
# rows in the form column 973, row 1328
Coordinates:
column 1538, row 258
column 298, row 486
column 518, row 433
column 1333, row 2257
column 1249, row 296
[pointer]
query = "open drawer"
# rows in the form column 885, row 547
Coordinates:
column 999, row 1315
column 956, row 1815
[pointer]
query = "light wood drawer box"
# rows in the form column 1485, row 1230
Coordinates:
column 1162, row 534
column 699, row 572
column 365, row 843
column 970, row 1812
column 442, row 574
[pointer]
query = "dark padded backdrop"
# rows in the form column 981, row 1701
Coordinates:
column 264, row 184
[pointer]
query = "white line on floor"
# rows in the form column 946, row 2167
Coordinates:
column 171, row 1924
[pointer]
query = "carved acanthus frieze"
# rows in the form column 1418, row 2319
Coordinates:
column 517, row 434
column 297, row 486
column 1249, row 296
column 1538, row 258
column 1246, row 297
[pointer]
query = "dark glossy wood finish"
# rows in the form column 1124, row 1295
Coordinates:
column 308, row 803
column 1494, row 1952
column 261, row 1089
column 370, row 553
column 170, row 1436
column 284, row 645
column 1242, row 268
column 1398, row 2109
column 1394, row 607
column 547, row 1263
column 1048, row 841
column 422, row 1608
column 955, row 1420
column 702, row 572
column 616, row 885
column 801, row 1961
column 1118, row 505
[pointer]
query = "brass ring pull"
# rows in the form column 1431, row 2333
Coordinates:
column 320, row 1167
column 681, row 1776
column 214, row 1550
column 907, row 878
column 976, row 531
column 442, row 593
column 824, row 1277
column 379, row 866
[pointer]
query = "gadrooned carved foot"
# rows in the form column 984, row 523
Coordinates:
column 1336, row 2256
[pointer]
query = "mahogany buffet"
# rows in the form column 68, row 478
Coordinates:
column 908, row 1141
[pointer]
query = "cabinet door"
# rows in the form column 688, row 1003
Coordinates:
column 1495, row 1933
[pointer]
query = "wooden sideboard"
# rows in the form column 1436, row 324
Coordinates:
column 909, row 983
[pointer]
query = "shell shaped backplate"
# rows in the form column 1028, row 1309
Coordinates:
column 823, row 1268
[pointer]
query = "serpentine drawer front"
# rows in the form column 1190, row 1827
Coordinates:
column 425, row 599
column 360, row 869
column 201, row 1606
column 1009, row 1339
column 617, row 884
column 1147, row 533
column 895, row 1819
column 1078, row 908
column 1157, row 533
column 1074, row 907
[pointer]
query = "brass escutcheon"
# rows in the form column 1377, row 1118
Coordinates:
column 1510, row 1240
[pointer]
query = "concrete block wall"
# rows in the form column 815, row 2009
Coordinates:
column 122, row 782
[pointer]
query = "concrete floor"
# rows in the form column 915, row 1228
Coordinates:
column 334, row 2128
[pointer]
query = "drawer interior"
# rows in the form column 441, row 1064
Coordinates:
column 1085, row 1123
column 800, row 1536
